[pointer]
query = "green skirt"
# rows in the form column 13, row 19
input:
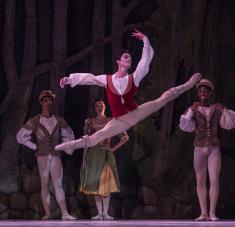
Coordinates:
column 100, row 176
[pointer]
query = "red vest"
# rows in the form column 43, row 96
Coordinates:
column 121, row 105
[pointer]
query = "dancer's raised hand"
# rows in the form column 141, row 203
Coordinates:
column 137, row 34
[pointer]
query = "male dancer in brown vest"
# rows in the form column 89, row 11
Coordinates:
column 121, row 89
column 205, row 119
column 48, row 130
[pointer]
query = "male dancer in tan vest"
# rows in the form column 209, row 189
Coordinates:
column 48, row 130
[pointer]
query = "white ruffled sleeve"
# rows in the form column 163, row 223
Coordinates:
column 187, row 123
column 24, row 137
column 87, row 79
column 227, row 120
column 67, row 134
column 143, row 65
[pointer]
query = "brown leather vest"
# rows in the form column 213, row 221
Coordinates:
column 45, row 141
column 206, row 133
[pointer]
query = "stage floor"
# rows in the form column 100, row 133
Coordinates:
column 117, row 223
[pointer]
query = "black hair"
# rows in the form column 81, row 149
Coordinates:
column 120, row 53
column 97, row 100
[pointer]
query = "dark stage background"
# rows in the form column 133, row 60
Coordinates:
column 43, row 40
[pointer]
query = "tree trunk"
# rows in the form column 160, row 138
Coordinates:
column 59, row 52
column 117, row 28
column 167, row 116
column 97, row 55
column 22, row 87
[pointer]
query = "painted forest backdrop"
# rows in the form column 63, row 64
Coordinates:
column 43, row 40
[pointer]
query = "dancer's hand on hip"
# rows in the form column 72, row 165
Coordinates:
column 111, row 149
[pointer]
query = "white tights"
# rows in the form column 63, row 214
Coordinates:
column 51, row 166
column 102, row 204
column 207, row 159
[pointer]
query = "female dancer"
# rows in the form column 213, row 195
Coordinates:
column 99, row 176
column 121, row 89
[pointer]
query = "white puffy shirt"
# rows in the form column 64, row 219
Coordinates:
column 119, row 83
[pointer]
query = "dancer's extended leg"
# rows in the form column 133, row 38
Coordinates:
column 123, row 123
column 149, row 108
column 114, row 127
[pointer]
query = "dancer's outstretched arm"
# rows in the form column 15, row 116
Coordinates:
column 83, row 79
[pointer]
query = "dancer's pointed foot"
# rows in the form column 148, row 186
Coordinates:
column 97, row 217
column 194, row 79
column 202, row 218
column 68, row 147
column 176, row 91
column 107, row 217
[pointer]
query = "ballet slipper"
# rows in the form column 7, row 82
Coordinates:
column 213, row 218
column 46, row 217
column 202, row 218
column 194, row 79
column 97, row 217
column 67, row 216
column 70, row 146
column 174, row 92
column 107, row 217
